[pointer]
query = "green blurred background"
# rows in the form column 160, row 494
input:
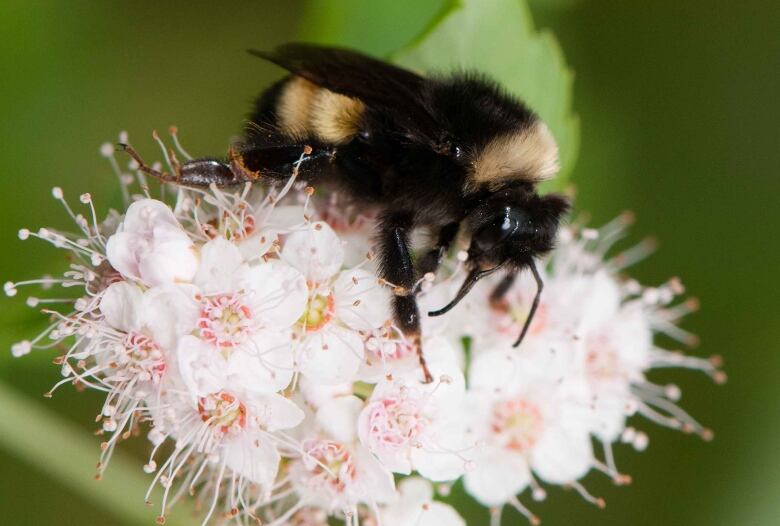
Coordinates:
column 679, row 118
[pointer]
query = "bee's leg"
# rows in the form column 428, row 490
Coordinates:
column 196, row 173
column 497, row 296
column 276, row 163
column 273, row 163
column 431, row 260
column 145, row 168
column 534, row 305
column 396, row 267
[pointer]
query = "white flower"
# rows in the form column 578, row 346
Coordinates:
column 225, row 434
column 468, row 318
column 387, row 353
column 243, row 223
column 151, row 246
column 241, row 335
column 411, row 425
column 308, row 517
column 160, row 313
column 196, row 320
column 354, row 226
column 602, row 349
column 416, row 507
column 613, row 355
column 342, row 308
column 315, row 250
column 316, row 394
column 130, row 348
column 524, row 422
column 335, row 472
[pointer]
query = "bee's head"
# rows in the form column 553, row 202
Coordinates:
column 508, row 230
column 513, row 226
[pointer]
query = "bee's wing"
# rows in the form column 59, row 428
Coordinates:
column 376, row 83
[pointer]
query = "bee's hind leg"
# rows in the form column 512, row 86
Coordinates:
column 273, row 164
column 195, row 173
column 145, row 168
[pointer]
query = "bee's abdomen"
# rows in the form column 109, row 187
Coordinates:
column 300, row 108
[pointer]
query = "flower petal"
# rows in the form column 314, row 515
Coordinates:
column 169, row 312
column 332, row 355
column 279, row 292
column 121, row 305
column 316, row 394
column 416, row 507
column 497, row 477
column 201, row 369
column 256, row 460
column 252, row 248
column 219, row 266
column 361, row 303
column 123, row 252
column 276, row 412
column 374, row 477
column 173, row 261
column 437, row 459
column 338, row 417
column 494, row 370
column 145, row 214
column 561, row 455
column 264, row 364
column 415, row 491
column 316, row 251
column 449, row 385
column 397, row 461
column 151, row 245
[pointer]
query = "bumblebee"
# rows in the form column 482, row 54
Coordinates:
column 446, row 153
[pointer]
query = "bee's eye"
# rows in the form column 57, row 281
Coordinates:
column 509, row 221
column 493, row 233
column 456, row 151
column 446, row 145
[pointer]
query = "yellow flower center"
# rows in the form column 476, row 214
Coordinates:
column 319, row 311
column 223, row 412
column 518, row 423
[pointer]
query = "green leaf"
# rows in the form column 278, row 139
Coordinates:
column 377, row 27
column 68, row 454
column 497, row 37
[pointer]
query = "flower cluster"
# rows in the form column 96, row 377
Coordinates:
column 247, row 335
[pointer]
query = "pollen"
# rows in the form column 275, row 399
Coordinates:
column 223, row 412
column 225, row 320
column 319, row 311
column 518, row 423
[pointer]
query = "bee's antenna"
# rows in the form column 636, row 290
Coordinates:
column 471, row 280
column 534, row 305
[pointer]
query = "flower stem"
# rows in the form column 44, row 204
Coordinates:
column 63, row 451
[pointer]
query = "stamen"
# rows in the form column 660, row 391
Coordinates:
column 635, row 254
column 516, row 504
column 597, row 501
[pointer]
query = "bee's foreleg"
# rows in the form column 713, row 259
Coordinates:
column 430, row 261
column 397, row 268
column 534, row 304
column 497, row 296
